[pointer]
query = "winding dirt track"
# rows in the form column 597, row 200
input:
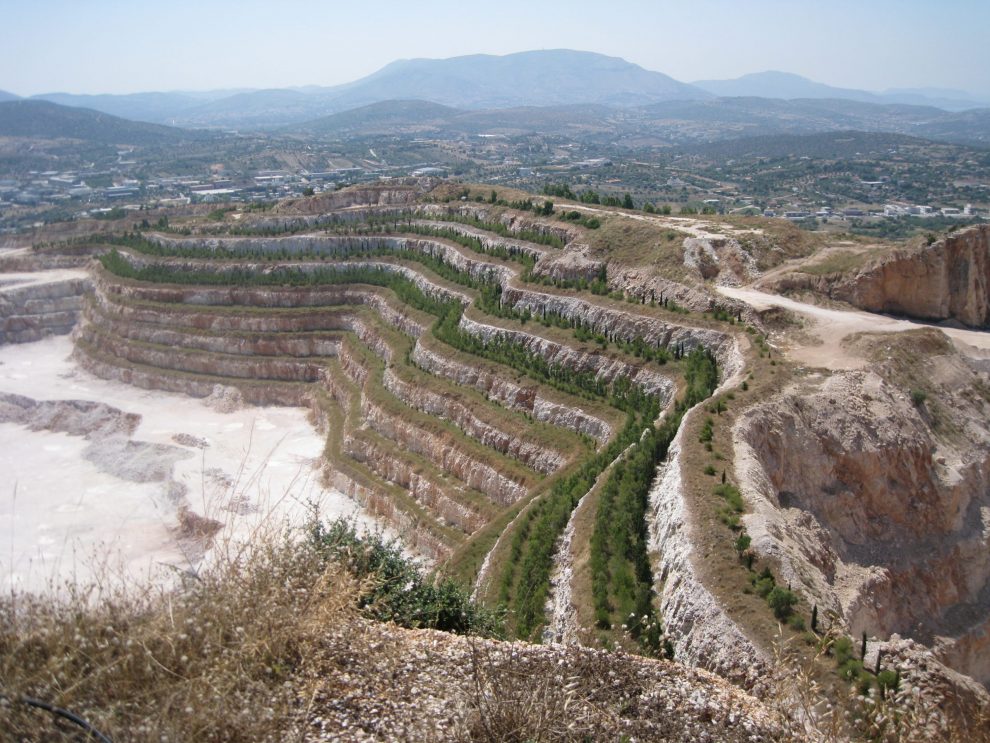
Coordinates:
column 828, row 328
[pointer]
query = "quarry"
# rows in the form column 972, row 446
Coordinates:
column 743, row 453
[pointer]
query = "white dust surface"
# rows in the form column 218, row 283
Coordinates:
column 65, row 517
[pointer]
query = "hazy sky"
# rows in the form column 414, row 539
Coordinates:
column 118, row 46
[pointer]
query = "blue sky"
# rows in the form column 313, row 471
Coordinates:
column 113, row 46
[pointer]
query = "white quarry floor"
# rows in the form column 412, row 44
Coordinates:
column 72, row 511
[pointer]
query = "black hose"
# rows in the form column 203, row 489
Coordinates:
column 70, row 716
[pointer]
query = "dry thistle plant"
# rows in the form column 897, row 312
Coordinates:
column 803, row 710
column 510, row 704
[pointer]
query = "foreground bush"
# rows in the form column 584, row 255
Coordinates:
column 395, row 590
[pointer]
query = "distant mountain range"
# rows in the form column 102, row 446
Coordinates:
column 681, row 123
column 541, row 78
column 785, row 85
column 538, row 78
column 44, row 119
column 479, row 82
column 581, row 94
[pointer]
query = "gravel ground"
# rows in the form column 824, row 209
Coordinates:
column 375, row 682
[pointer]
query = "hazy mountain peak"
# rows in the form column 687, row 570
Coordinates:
column 541, row 77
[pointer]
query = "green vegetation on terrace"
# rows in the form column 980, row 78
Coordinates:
column 446, row 329
column 622, row 581
column 343, row 415
column 402, row 222
column 406, row 290
column 625, row 577
column 533, row 236
column 597, row 285
column 355, row 247
column 490, row 301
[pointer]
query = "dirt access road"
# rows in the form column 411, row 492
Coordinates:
column 821, row 345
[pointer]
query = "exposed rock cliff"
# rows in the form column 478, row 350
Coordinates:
column 877, row 505
column 947, row 280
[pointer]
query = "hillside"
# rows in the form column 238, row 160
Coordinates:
column 774, row 84
column 823, row 146
column 728, row 118
column 681, row 122
column 786, row 85
column 156, row 108
column 416, row 117
column 41, row 119
column 387, row 116
column 487, row 376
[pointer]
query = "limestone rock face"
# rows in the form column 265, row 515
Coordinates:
column 947, row 280
column 878, row 508
column 571, row 264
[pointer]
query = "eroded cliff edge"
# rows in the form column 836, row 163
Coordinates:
column 871, row 489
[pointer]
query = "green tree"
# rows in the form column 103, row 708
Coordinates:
column 782, row 601
column 627, row 202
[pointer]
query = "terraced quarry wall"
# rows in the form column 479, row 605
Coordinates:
column 36, row 305
column 457, row 399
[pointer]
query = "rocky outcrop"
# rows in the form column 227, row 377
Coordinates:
column 722, row 259
column 946, row 280
column 400, row 193
column 949, row 279
column 877, row 506
column 572, row 264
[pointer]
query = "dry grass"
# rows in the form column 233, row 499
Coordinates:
column 211, row 661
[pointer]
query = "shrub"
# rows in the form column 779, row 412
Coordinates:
column 842, row 649
column 888, row 680
column 707, row 431
column 781, row 601
column 397, row 590
column 742, row 543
